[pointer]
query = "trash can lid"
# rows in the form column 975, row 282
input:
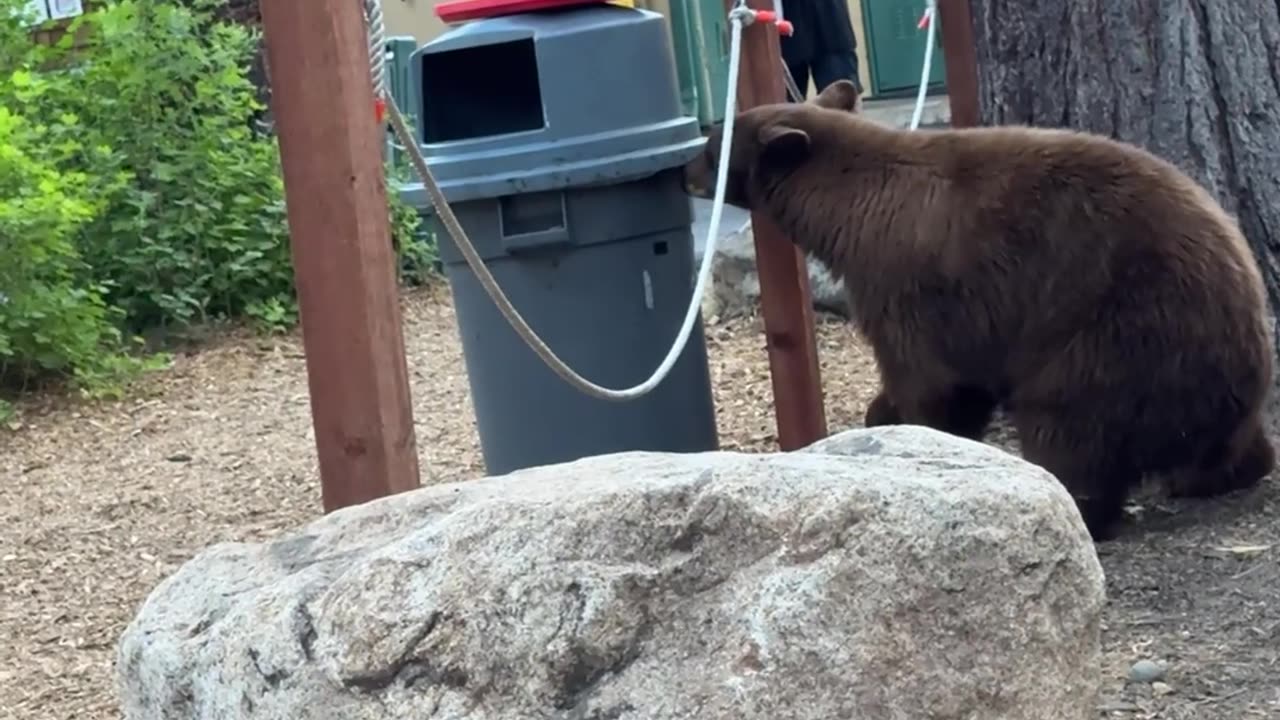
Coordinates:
column 461, row 10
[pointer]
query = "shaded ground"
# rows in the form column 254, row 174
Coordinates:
column 98, row 504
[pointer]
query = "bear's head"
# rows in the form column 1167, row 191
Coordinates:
column 767, row 137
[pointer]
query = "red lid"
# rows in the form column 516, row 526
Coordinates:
column 460, row 10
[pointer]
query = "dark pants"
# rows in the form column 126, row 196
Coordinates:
column 825, row 69
column 823, row 44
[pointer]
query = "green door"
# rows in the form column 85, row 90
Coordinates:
column 895, row 46
column 682, row 47
column 700, row 32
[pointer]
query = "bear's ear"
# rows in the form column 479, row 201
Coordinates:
column 783, row 145
column 840, row 95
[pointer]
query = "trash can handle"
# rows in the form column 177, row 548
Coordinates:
column 533, row 221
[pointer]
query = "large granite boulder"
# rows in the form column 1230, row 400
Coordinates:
column 887, row 573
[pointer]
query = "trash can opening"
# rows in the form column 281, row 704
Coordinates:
column 481, row 91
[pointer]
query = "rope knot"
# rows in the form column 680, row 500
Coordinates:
column 742, row 14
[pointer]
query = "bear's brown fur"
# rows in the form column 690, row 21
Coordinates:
column 1092, row 289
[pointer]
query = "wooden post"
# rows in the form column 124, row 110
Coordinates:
column 784, row 277
column 955, row 23
column 330, row 147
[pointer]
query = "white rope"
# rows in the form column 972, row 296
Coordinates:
column 931, row 12
column 377, row 45
column 739, row 16
column 793, row 89
column 377, row 29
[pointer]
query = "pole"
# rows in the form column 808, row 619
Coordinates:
column 956, row 26
column 784, row 277
column 339, row 229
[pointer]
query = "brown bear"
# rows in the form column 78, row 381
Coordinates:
column 1091, row 289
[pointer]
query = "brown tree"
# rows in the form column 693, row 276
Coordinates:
column 1195, row 81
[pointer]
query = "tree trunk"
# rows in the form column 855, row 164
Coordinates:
column 1194, row 81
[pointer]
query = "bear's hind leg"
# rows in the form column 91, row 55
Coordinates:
column 1088, row 460
column 962, row 410
column 1241, row 463
column 970, row 410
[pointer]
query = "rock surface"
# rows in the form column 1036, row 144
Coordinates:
column 887, row 573
column 734, row 290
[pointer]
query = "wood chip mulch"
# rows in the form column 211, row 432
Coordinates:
column 98, row 503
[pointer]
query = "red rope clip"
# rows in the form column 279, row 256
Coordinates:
column 924, row 21
column 380, row 109
column 771, row 17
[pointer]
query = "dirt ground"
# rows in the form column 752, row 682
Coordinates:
column 98, row 504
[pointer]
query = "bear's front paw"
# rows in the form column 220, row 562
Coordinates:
column 1103, row 517
column 882, row 411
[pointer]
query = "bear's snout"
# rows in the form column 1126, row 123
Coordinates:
column 698, row 182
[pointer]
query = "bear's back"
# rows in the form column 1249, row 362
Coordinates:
column 1079, row 217
column 1008, row 242
column 1115, row 237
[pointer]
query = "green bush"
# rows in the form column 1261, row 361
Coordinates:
column 136, row 191
column 52, row 322
column 416, row 248
column 199, row 230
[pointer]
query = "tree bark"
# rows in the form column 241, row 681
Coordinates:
column 1194, row 81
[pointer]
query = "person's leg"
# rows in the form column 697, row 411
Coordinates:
column 799, row 48
column 832, row 66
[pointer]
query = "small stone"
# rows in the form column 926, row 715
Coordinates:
column 179, row 457
column 1161, row 689
column 1146, row 671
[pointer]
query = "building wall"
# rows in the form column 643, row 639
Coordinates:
column 860, row 33
column 415, row 18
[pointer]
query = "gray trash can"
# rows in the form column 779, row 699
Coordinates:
column 558, row 139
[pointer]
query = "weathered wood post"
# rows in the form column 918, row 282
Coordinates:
column 330, row 146
column 785, row 302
